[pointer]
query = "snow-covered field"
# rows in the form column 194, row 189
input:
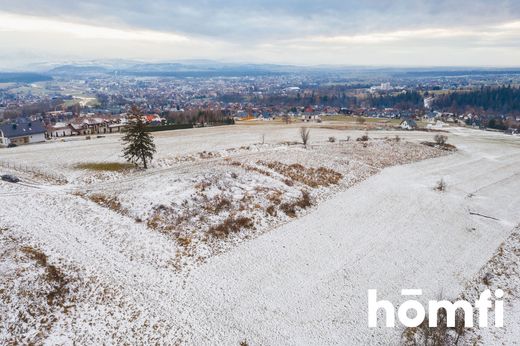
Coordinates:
column 237, row 233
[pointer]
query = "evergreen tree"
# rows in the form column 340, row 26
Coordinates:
column 139, row 146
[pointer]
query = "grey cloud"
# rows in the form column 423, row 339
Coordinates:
column 256, row 21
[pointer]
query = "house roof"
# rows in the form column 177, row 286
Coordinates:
column 22, row 129
column 410, row 122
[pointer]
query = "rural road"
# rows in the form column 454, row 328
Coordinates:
column 306, row 282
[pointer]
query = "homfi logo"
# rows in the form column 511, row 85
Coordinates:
column 417, row 310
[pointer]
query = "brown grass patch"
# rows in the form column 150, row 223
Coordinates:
column 313, row 177
column 105, row 166
column 271, row 210
column 231, row 225
column 443, row 146
column 184, row 241
column 250, row 168
column 290, row 208
column 54, row 276
column 218, row 204
column 111, row 203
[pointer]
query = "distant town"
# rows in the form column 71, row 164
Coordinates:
column 71, row 100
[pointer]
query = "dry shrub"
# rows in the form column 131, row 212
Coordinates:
column 290, row 208
column 305, row 134
column 111, row 203
column 440, row 139
column 230, row 225
column 332, row 139
column 218, row 204
column 271, row 210
column 275, row 197
column 184, row 241
column 250, row 168
column 313, row 177
column 363, row 138
column 440, row 186
column 165, row 219
column 208, row 155
column 203, row 185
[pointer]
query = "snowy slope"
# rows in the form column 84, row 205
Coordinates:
column 304, row 282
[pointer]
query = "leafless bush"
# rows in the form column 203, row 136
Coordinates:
column 440, row 139
column 363, row 138
column 305, row 135
column 397, row 139
column 440, row 186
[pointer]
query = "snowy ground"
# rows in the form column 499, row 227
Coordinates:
column 136, row 263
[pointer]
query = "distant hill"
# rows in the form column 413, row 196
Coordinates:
column 175, row 69
column 209, row 68
column 78, row 70
column 23, row 77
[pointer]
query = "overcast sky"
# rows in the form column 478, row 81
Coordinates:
column 343, row 32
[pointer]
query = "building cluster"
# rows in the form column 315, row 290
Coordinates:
column 98, row 105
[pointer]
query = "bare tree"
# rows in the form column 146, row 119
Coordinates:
column 305, row 135
column 440, row 139
column 286, row 118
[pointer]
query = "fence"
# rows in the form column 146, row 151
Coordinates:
column 20, row 167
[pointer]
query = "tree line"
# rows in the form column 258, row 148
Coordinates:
column 504, row 100
column 403, row 100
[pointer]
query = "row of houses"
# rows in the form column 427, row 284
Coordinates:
column 89, row 126
column 35, row 131
column 27, row 131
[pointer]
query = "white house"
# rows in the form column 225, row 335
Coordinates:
column 408, row 124
column 22, row 133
